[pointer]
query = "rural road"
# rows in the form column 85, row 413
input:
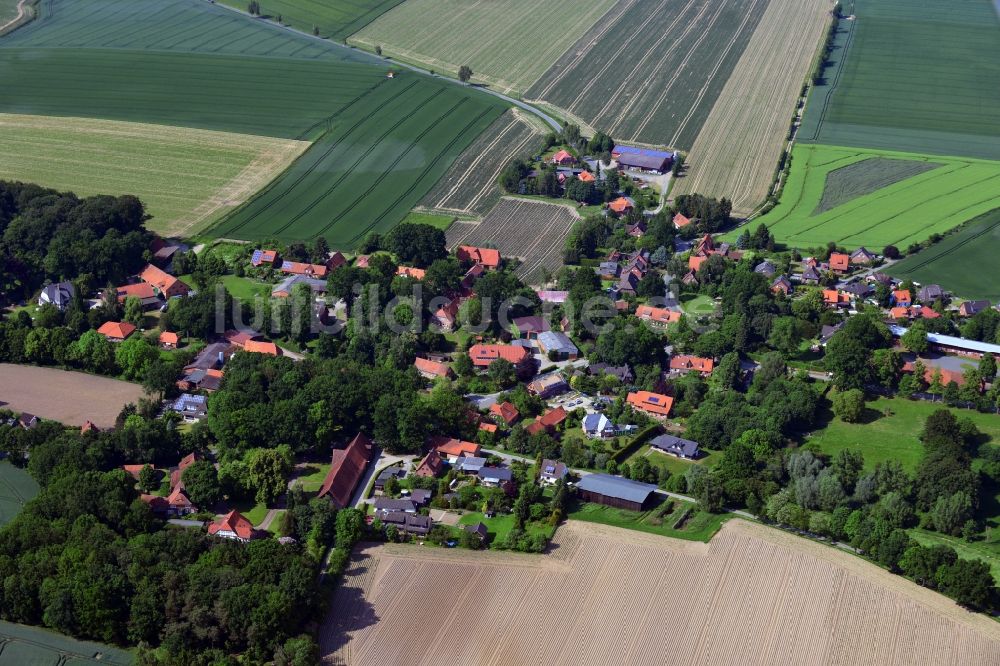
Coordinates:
column 22, row 9
column 549, row 120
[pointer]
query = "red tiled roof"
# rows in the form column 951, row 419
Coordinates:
column 169, row 338
column 946, row 374
column 335, row 261
column 260, row 347
column 451, row 447
column 695, row 262
column 899, row 313
column 425, row 366
column 410, row 272
column 488, row 427
column 692, row 363
column 240, row 338
column 431, row 465
column 655, row 403
column 586, row 177
column 300, row 268
column 834, row 297
column 839, row 261
column 483, row 355
column 563, row 157
column 505, row 410
column 658, row 315
column 179, row 499
column 482, row 255
column 233, row 522
column 621, row 205
column 681, row 221
column 142, row 291
column 346, row 468
column 266, row 257
column 116, row 330
column 163, row 281
column 131, row 469
column 553, row 417
column 902, row 296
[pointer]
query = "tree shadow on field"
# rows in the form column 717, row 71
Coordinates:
column 349, row 610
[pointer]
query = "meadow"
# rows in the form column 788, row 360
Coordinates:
column 963, row 262
column 508, row 43
column 904, row 212
column 335, row 20
column 651, row 71
column 470, row 186
column 186, row 177
column 880, row 97
column 739, row 145
column 16, row 488
column 34, row 646
column 367, row 173
column 382, row 143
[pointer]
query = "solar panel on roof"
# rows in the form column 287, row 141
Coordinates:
column 653, row 399
column 256, row 256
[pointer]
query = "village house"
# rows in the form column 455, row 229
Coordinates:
column 488, row 257
column 505, row 412
column 284, row 288
column 410, row 272
column 833, row 298
column 469, row 464
column 148, row 297
column 265, row 258
column 432, row 369
column 901, row 298
column 177, row 473
column 233, row 526
column 335, row 260
column 548, row 385
column 306, row 269
column 552, row 472
column 116, row 331
column 169, row 340
column 863, row 257
column 452, row 449
column 615, row 491
column 482, row 355
column 192, row 408
column 446, row 316
column 562, row 157
column 810, row 275
column 557, row 346
column 491, row 477
column 60, row 295
column 657, row 316
column 781, row 285
column 765, row 268
column 683, row 363
column 262, row 347
column 622, row 373
column 395, row 472
column 656, row 405
column 384, row 505
column 547, row 422
column 408, row 523
column 680, row 220
column 675, row 446
column 528, row 328
column 930, row 293
column 840, row 262
column 430, row 466
column 347, row 466
column 636, row 230
column 970, row 308
column 165, row 284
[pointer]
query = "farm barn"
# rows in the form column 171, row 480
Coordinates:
column 643, row 159
column 615, row 491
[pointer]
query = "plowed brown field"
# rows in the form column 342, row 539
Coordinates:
column 608, row 596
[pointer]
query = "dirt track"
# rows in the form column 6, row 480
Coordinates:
column 60, row 395
column 610, row 596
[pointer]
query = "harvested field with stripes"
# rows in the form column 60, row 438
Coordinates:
column 533, row 231
column 754, row 595
column 187, row 178
column 508, row 43
column 740, row 143
column 652, row 71
column 470, row 186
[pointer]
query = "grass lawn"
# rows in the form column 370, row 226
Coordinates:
column 701, row 526
column 699, row 305
column 244, row 288
column 894, row 437
column 500, row 525
column 987, row 550
column 312, row 476
column 251, row 510
column 674, row 464
column 442, row 222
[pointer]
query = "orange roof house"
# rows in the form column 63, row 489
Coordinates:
column 447, row 314
column 261, row 347
column 431, row 369
column 410, row 272
column 261, row 257
column 835, row 298
column 483, row 355
column 660, row 316
column 163, row 282
column 169, row 339
column 840, row 262
column 621, row 205
column 506, row 411
column 346, row 468
column 300, row 268
column 548, row 421
column 133, row 470
column 431, row 466
column 486, row 256
column 692, row 364
column 947, row 375
column 176, row 474
column 899, row 313
column 335, row 261
column 681, row 220
column 656, row 404
column 452, row 449
column 695, row 262
column 586, row 177
column 142, row 291
column 179, row 502
column 233, row 526
column 902, row 297
column 116, row 331
column 563, row 157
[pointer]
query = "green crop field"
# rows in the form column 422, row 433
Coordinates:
column 381, row 143
column 860, row 178
column 336, row 20
column 904, row 212
column 508, row 43
column 33, row 646
column 8, row 10
column 914, row 75
column 372, row 168
column 16, row 488
column 187, row 178
column 651, row 71
column 965, row 262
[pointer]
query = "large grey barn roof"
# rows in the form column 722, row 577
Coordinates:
column 644, row 161
column 616, row 486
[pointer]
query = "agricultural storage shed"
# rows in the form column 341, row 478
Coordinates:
column 615, row 491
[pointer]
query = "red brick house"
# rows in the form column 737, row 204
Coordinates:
column 346, row 469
